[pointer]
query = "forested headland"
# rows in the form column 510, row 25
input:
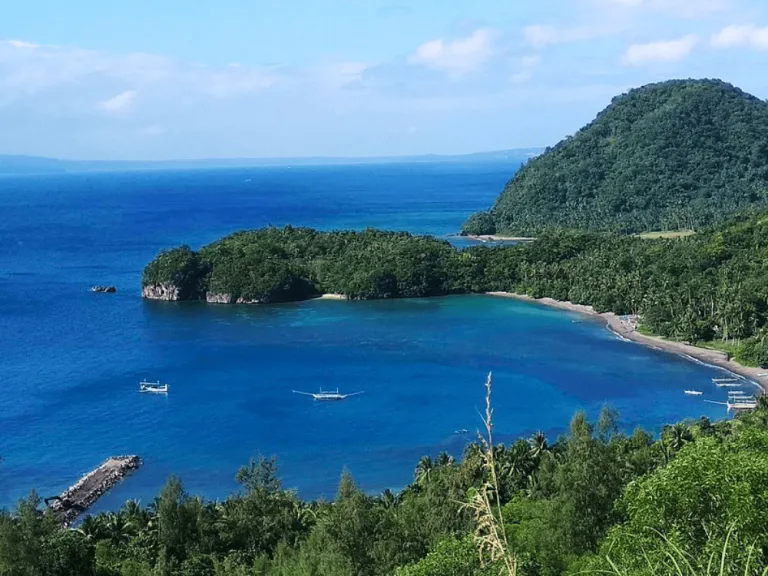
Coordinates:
column 709, row 287
column 682, row 154
column 593, row 501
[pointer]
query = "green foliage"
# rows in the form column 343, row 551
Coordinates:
column 479, row 223
column 450, row 557
column 180, row 267
column 683, row 154
column 711, row 495
column 277, row 265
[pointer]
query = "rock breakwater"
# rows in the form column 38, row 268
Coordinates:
column 79, row 497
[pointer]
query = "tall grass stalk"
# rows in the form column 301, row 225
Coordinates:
column 490, row 535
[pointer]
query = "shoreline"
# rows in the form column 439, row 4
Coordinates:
column 626, row 329
column 330, row 297
column 492, row 238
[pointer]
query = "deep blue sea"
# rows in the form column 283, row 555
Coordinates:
column 71, row 360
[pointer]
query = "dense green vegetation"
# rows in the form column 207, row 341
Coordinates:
column 709, row 287
column 274, row 265
column 593, row 499
column 682, row 154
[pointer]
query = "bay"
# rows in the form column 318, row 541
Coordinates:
column 71, row 360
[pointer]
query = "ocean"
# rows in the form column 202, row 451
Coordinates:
column 71, row 360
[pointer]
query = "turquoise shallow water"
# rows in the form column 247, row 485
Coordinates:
column 71, row 360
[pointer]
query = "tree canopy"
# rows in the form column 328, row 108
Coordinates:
column 287, row 264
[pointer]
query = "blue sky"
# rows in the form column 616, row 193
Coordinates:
column 145, row 79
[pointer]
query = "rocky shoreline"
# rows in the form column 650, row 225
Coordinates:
column 164, row 291
column 78, row 498
column 170, row 293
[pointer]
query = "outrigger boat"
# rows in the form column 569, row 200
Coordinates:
column 327, row 394
column 726, row 382
column 154, row 387
column 738, row 403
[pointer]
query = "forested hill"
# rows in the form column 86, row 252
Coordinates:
column 680, row 154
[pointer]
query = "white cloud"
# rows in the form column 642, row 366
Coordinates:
column 21, row 44
column 747, row 35
column 456, row 58
column 38, row 68
column 337, row 75
column 662, row 51
column 525, row 67
column 540, row 35
column 120, row 102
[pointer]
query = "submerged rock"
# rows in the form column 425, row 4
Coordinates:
column 109, row 289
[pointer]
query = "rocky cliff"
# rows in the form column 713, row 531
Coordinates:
column 162, row 291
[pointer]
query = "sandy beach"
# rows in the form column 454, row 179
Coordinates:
column 625, row 327
column 498, row 238
column 332, row 297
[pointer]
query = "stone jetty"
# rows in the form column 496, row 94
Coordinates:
column 78, row 498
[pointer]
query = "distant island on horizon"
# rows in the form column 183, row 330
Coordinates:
column 12, row 165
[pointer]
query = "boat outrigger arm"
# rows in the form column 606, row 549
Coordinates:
column 327, row 395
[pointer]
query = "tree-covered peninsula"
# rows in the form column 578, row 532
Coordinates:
column 682, row 154
column 709, row 287
column 288, row 264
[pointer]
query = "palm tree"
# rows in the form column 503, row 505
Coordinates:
column 135, row 514
column 92, row 528
column 472, row 452
column 305, row 515
column 678, row 436
column 388, row 499
column 539, row 444
column 118, row 529
column 424, row 470
column 519, row 462
column 444, row 460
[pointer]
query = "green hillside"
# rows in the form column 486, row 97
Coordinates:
column 675, row 155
